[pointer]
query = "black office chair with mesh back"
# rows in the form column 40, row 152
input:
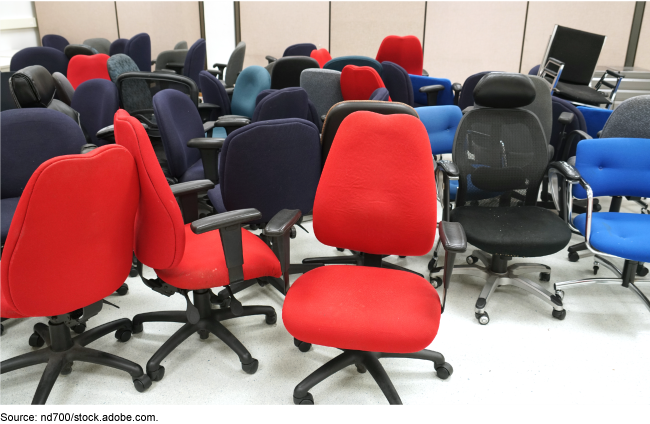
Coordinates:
column 499, row 158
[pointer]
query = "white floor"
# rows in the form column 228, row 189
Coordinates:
column 597, row 355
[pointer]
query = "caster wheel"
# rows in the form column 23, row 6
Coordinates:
column 544, row 276
column 361, row 369
column 137, row 328
column 133, row 273
column 432, row 265
column 444, row 371
column 596, row 268
column 308, row 399
column 483, row 318
column 559, row 314
column 67, row 369
column 560, row 294
column 574, row 257
column 142, row 383
column 340, row 249
column 157, row 375
column 471, row 260
column 123, row 290
column 642, row 271
column 123, row 335
column 204, row 334
column 302, row 346
column 436, row 282
column 272, row 319
column 35, row 340
column 225, row 304
column 79, row 328
column 250, row 368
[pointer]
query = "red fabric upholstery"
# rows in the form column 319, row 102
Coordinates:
column 71, row 238
column 83, row 68
column 405, row 51
column 359, row 82
column 362, row 308
column 377, row 191
column 322, row 56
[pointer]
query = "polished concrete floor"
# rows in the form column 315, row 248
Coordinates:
column 597, row 355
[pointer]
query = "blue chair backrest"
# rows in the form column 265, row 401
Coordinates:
column 179, row 121
column 614, row 167
column 55, row 41
column 595, row 118
column 138, row 48
column 534, row 70
column 51, row 59
column 578, row 123
column 290, row 102
column 398, row 83
column 270, row 166
column 466, row 98
column 214, row 92
column 445, row 96
column 195, row 60
column 31, row 137
column 441, row 123
column 337, row 64
column 303, row 49
column 97, row 101
column 118, row 46
column 250, row 83
column 380, row 95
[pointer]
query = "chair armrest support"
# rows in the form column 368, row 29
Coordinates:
column 453, row 240
column 445, row 170
column 574, row 137
column 432, row 93
column 210, row 148
column 280, row 229
column 218, row 74
column 221, row 66
column 457, row 87
column 187, row 195
column 270, row 58
column 566, row 118
column 561, row 190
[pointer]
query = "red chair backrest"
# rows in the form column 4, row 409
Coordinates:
column 405, row 51
column 322, row 56
column 377, row 191
column 159, row 229
column 359, row 82
column 82, row 68
column 70, row 243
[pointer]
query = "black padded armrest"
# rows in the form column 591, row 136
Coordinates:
column 106, row 132
column 176, row 66
column 232, row 122
column 206, row 143
column 226, row 219
column 186, row 193
column 432, row 88
column 457, row 87
column 221, row 66
column 86, row 148
column 165, row 71
column 566, row 118
column 567, row 170
column 449, row 168
column 216, row 72
column 205, row 110
column 191, row 187
column 615, row 73
column 210, row 106
column 153, row 62
column 452, row 237
column 282, row 222
column 270, row 59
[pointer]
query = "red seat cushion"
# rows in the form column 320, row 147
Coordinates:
column 405, row 51
column 204, row 266
column 82, row 68
column 359, row 82
column 322, row 56
column 362, row 308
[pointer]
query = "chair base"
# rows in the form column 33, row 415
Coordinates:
column 208, row 322
column 63, row 350
column 367, row 361
column 496, row 272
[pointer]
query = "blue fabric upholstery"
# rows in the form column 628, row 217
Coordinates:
column 534, row 70
column 179, row 121
column 621, row 234
column 118, row 46
column 55, row 41
column 337, row 64
column 51, row 59
column 578, row 123
column 445, row 96
column 97, row 101
column 467, row 93
column 193, row 173
column 262, row 94
column 291, row 102
column 7, row 210
column 138, row 48
column 595, row 118
column 303, row 49
column 381, row 95
column 270, row 166
column 250, row 83
column 195, row 60
column 441, row 123
column 214, row 92
column 398, row 83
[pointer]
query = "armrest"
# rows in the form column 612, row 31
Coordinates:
column 165, row 71
column 187, row 195
column 270, row 59
column 614, row 73
column 323, row 117
column 561, row 193
column 206, row 143
column 424, row 73
column 457, row 87
column 176, row 66
column 221, row 66
column 282, row 222
column 444, row 170
column 86, row 148
column 229, row 91
column 206, row 109
column 106, row 133
column 566, row 118
column 567, row 170
column 453, row 239
column 231, row 124
column 599, row 133
column 223, row 220
column 449, row 168
column 216, row 72
column 210, row 148
column 432, row 93
column 153, row 62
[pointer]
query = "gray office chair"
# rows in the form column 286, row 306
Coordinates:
column 102, row 45
column 232, row 68
column 64, row 90
column 181, row 45
column 323, row 86
column 169, row 56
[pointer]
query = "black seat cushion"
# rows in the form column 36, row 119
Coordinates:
column 580, row 93
column 527, row 231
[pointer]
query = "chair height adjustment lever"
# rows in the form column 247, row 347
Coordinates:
column 192, row 312
column 235, row 305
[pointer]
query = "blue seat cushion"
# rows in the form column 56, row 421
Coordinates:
column 621, row 234
column 193, row 173
column 7, row 207
column 217, row 199
column 453, row 189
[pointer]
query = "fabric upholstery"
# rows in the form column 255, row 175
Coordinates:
column 398, row 83
column 355, row 307
column 7, row 209
column 54, row 41
column 391, row 157
column 64, row 90
column 580, row 93
column 72, row 50
column 291, row 102
column 322, row 56
column 214, row 92
column 466, row 97
column 405, row 51
column 287, row 70
column 578, row 123
column 235, row 64
column 323, row 86
column 622, row 234
column 50, row 58
column 195, row 60
column 98, row 100
column 170, row 56
column 84, row 68
column 120, row 64
column 118, row 46
column 338, row 63
column 138, row 48
column 77, row 206
column 445, row 96
column 534, row 70
column 102, row 45
column 380, row 95
column 542, row 106
column 441, row 123
column 250, row 83
column 359, row 82
column 628, row 120
column 302, row 49
column 596, row 117
column 135, row 94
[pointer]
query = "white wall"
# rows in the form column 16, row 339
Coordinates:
column 21, row 18
column 219, row 30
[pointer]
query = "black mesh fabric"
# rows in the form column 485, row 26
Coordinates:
column 579, row 50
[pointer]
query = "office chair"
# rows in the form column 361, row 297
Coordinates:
column 169, row 56
column 118, row 46
column 194, row 61
column 99, row 100
column 138, row 48
column 102, row 45
column 609, row 167
column 55, row 224
column 441, row 123
column 189, row 255
column 54, row 41
column 353, row 308
column 397, row 83
column 84, row 68
column 404, row 51
column 302, row 49
column 595, row 118
column 323, row 86
column 359, row 82
column 6, row 99
column 466, row 93
column 181, row 45
column 73, row 50
column 380, row 95
column 290, row 102
column 232, row 68
column 500, row 156
column 64, row 90
column 338, row 63
column 51, row 59
column 287, row 70
column 322, row 56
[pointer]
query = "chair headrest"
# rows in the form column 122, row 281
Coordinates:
column 72, row 50
column 503, row 90
column 32, row 86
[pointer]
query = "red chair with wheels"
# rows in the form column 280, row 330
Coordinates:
column 368, row 311
column 405, row 51
column 360, row 82
column 73, row 206
column 322, row 56
column 82, row 68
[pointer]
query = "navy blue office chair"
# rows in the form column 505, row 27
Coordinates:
column 50, row 58
column 194, row 61
column 380, row 95
column 118, row 46
column 301, row 49
column 55, row 41
column 398, row 83
column 98, row 100
column 138, row 48
column 291, row 102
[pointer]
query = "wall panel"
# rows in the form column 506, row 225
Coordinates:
column 77, row 20
column 642, row 59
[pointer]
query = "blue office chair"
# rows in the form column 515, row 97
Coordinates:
column 430, row 91
column 250, row 83
column 338, row 63
column 466, row 96
column 380, row 95
column 290, row 102
column 98, row 101
column 194, row 61
column 138, row 48
column 301, row 49
column 50, row 58
column 398, row 83
column 118, row 46
column 54, row 41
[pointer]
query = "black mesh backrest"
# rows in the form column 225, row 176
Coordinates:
column 579, row 50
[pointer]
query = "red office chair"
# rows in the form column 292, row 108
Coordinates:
column 73, row 206
column 82, row 68
column 359, row 82
column 322, row 56
column 188, row 255
column 405, row 51
column 367, row 311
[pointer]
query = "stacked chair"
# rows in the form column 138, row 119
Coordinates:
column 54, row 41
column 233, row 68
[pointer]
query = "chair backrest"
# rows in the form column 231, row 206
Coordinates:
column 84, row 68
column 340, row 111
column 302, row 49
column 235, row 64
column 389, row 160
column 405, row 51
column 214, row 92
column 32, row 86
column 64, row 90
column 159, row 228
column 323, row 86
column 195, row 60
column 54, row 41
column 579, row 50
column 578, row 123
column 499, row 147
column 134, row 93
column 287, row 70
column 72, row 50
column 119, row 64
column 466, row 97
column 445, row 96
column 5, row 92
column 398, row 83
column 338, row 63
column 118, row 46
column 441, row 123
column 291, row 102
column 50, row 58
column 179, row 121
column 322, row 56
column 97, row 99
column 138, row 48
column 534, row 70
column 170, row 56
column 250, row 83
column 595, row 118
column 102, row 45
column 29, row 138
column 181, row 45
column 380, row 95
column 359, row 82
column 629, row 120
column 71, row 206
column 542, row 106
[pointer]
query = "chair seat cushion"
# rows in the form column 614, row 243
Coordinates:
column 193, row 173
column 204, row 266
column 621, row 234
column 7, row 208
column 527, row 231
column 580, row 93
column 362, row 308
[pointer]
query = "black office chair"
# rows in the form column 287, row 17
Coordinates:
column 286, row 71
